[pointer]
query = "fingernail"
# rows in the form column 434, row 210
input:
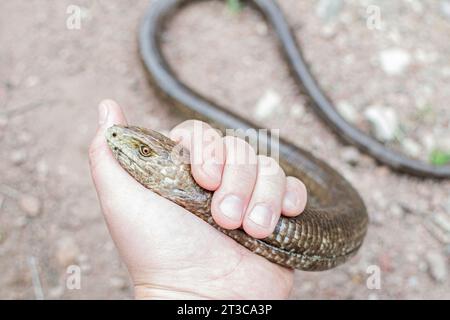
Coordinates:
column 232, row 207
column 212, row 169
column 102, row 113
column 290, row 200
column 262, row 216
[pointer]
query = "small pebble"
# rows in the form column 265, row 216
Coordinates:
column 425, row 57
column 118, row 283
column 67, row 251
column 24, row 137
column 413, row 282
column 394, row 61
column 411, row 148
column 56, row 292
column 350, row 155
column 417, row 6
column 347, row 111
column 385, row 262
column 30, row 205
column 262, row 29
column 396, row 211
column 268, row 104
column 20, row 222
column 383, row 121
column 42, row 169
column 442, row 221
column 297, row 110
column 328, row 9
column 373, row 296
column 377, row 218
column 445, row 8
column 85, row 265
column 437, row 266
column 18, row 157
column 31, row 81
column 328, row 31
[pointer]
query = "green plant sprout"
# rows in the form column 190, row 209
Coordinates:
column 439, row 157
column 234, row 5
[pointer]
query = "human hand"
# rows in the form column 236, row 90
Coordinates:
column 169, row 252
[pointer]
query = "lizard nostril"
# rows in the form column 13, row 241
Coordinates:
column 114, row 134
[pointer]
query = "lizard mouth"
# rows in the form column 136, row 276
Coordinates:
column 126, row 161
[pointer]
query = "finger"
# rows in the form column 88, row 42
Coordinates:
column 295, row 197
column 206, row 148
column 104, row 168
column 183, row 132
column 238, row 179
column 264, row 208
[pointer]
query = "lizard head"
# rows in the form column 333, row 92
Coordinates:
column 155, row 161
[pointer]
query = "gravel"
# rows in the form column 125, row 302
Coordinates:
column 384, row 122
column 445, row 8
column 118, row 283
column 30, row 205
column 394, row 61
column 18, row 157
column 269, row 103
column 437, row 264
column 67, row 251
column 347, row 111
column 328, row 9
column 350, row 155
column 2, row 236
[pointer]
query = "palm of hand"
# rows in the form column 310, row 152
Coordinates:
column 169, row 250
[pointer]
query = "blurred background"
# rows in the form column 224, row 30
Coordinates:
column 384, row 63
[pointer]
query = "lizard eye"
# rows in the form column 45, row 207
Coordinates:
column 145, row 150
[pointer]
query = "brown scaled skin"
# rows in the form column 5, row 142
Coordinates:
column 321, row 238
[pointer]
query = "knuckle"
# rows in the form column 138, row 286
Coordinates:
column 194, row 124
column 269, row 166
column 238, row 145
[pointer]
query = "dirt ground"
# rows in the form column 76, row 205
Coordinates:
column 52, row 78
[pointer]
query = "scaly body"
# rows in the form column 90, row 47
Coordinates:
column 326, row 234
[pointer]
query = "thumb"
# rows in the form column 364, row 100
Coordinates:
column 104, row 168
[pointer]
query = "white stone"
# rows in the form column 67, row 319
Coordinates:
column 445, row 8
column 268, row 104
column 437, row 266
column 394, row 61
column 56, row 292
column 118, row 283
column 297, row 110
column 328, row 9
column 347, row 111
column 411, row 147
column 350, row 155
column 30, row 205
column 383, row 121
column 262, row 29
column 67, row 251
column 18, row 156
